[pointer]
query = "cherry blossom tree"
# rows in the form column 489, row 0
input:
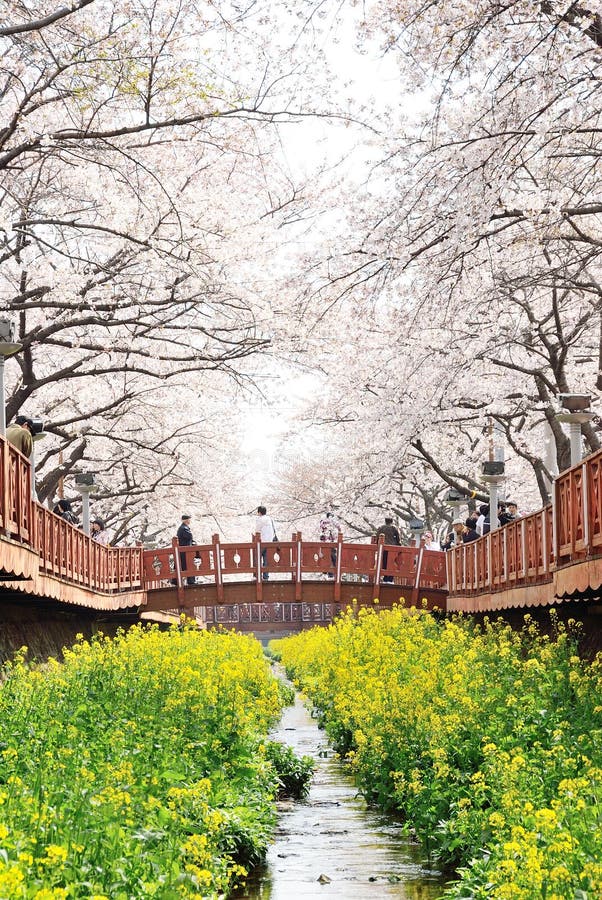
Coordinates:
column 141, row 168
column 473, row 252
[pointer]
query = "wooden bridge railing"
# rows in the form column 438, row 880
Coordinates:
column 64, row 551
column 533, row 549
column 520, row 553
column 15, row 496
column 68, row 553
column 529, row 551
column 295, row 560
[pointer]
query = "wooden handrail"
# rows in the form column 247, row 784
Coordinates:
column 64, row 551
column 219, row 563
column 531, row 549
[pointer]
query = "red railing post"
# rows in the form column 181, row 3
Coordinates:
column 4, row 484
column 416, row 588
column 298, row 567
column 178, row 573
column 585, row 507
column 258, row 568
column 217, row 558
column 337, row 574
column 379, row 565
column 555, row 530
column 449, row 571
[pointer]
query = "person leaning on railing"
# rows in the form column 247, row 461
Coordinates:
column 99, row 533
column 19, row 435
column 456, row 536
column 508, row 513
column 64, row 509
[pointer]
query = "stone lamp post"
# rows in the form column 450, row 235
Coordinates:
column 575, row 409
column 86, row 484
column 8, row 347
column 416, row 527
column 493, row 474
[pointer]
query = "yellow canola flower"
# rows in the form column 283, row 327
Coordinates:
column 467, row 730
column 57, row 893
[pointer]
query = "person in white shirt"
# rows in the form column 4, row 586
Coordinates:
column 427, row 541
column 264, row 527
column 483, row 520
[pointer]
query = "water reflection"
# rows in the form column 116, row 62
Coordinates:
column 331, row 845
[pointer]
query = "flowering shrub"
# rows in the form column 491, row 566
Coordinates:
column 487, row 740
column 136, row 768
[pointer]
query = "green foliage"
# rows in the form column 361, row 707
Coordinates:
column 287, row 693
column 294, row 772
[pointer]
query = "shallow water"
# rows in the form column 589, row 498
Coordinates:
column 333, row 835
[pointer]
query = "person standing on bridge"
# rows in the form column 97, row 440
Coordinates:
column 99, row 532
column 391, row 536
column 329, row 531
column 265, row 528
column 185, row 539
column 456, row 535
column 64, row 509
column 427, row 542
column 19, row 435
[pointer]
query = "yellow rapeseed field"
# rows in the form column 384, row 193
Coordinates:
column 136, row 768
column 488, row 741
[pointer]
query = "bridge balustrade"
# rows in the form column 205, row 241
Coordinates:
column 534, row 550
column 518, row 554
column 295, row 561
column 15, row 482
column 68, row 553
column 537, row 548
column 64, row 551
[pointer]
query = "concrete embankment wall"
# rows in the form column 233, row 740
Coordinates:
column 45, row 628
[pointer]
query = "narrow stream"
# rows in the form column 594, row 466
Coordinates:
column 331, row 845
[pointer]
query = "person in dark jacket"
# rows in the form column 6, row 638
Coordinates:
column 391, row 536
column 470, row 534
column 507, row 513
column 474, row 518
column 185, row 539
column 64, row 510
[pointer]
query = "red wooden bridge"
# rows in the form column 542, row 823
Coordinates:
column 550, row 555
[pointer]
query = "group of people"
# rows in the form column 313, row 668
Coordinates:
column 463, row 531
column 264, row 526
column 478, row 523
column 98, row 530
